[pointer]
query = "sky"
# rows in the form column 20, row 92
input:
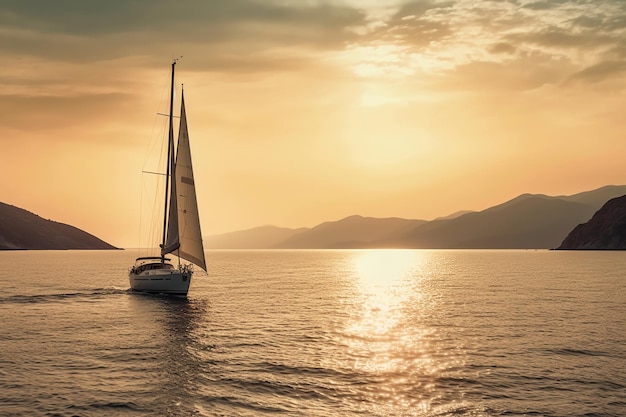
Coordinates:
column 307, row 111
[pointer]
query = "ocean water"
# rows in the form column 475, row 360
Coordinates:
column 317, row 333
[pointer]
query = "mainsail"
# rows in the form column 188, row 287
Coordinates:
column 172, row 241
column 189, row 233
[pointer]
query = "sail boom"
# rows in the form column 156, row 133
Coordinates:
column 166, row 250
column 167, row 115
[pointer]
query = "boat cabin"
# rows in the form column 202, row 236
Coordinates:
column 149, row 263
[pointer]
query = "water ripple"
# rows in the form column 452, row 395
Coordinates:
column 320, row 333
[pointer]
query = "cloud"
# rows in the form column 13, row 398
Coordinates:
column 544, row 5
column 502, row 48
column 587, row 21
column 71, row 60
column 250, row 36
column 600, row 71
column 76, row 17
column 546, row 41
column 74, row 30
column 414, row 23
column 49, row 113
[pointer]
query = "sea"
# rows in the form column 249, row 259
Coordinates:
column 317, row 333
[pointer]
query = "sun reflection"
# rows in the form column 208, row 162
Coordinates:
column 384, row 335
column 382, row 275
column 384, row 278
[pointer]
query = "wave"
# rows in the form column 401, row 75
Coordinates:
column 54, row 297
column 577, row 352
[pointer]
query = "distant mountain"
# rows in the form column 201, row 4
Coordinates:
column 257, row 238
column 21, row 229
column 351, row 232
column 455, row 215
column 605, row 230
column 597, row 197
column 529, row 221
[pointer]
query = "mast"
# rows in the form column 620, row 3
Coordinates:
column 170, row 158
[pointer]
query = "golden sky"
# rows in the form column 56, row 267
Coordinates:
column 301, row 111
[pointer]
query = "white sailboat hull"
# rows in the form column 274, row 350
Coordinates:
column 161, row 281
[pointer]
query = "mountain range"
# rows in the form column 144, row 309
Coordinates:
column 529, row 221
column 21, row 229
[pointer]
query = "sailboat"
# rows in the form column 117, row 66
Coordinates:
column 182, row 236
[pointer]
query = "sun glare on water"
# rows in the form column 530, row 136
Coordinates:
column 382, row 277
column 389, row 335
column 377, row 344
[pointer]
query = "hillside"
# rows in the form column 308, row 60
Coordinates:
column 21, row 229
column 351, row 232
column 605, row 231
column 528, row 221
column 597, row 197
column 256, row 238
